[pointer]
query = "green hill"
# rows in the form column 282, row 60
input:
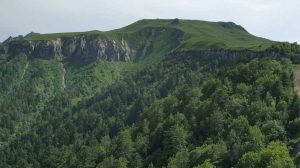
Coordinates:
column 198, row 35
column 156, row 93
column 203, row 35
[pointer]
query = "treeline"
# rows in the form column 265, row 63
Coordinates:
column 288, row 50
column 184, row 112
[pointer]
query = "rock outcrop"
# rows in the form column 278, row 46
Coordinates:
column 76, row 47
column 225, row 54
column 86, row 48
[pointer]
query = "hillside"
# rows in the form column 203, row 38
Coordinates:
column 156, row 93
column 197, row 35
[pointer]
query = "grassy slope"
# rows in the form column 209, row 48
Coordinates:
column 61, row 35
column 198, row 35
column 203, row 35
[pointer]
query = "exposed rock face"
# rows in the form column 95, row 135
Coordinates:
column 85, row 48
column 97, row 48
column 2, row 50
column 225, row 54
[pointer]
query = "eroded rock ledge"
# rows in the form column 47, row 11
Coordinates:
column 225, row 54
column 76, row 47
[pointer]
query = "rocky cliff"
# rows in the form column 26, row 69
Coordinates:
column 226, row 54
column 86, row 48
column 141, row 39
column 76, row 47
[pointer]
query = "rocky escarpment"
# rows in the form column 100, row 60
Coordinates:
column 225, row 54
column 87, row 48
column 76, row 47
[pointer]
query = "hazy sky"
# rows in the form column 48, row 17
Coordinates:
column 274, row 19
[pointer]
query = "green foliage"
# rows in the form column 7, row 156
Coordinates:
column 275, row 154
column 206, row 164
column 84, row 81
column 156, row 112
column 291, row 51
column 180, row 160
column 243, row 138
column 214, row 152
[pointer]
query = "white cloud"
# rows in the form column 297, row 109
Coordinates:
column 273, row 19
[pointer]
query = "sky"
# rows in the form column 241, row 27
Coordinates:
column 277, row 20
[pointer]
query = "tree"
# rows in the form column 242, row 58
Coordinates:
column 206, row 164
column 176, row 139
column 124, row 144
column 215, row 153
column 275, row 155
column 274, row 130
column 243, row 138
column 180, row 160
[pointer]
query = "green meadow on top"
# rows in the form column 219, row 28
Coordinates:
column 197, row 35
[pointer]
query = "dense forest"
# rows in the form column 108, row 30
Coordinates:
column 172, row 111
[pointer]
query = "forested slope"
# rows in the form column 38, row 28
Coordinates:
column 157, row 93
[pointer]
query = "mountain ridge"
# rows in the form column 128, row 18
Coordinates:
column 226, row 35
column 136, row 41
column 157, row 93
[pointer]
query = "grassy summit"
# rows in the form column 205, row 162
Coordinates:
column 198, row 35
column 203, row 35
